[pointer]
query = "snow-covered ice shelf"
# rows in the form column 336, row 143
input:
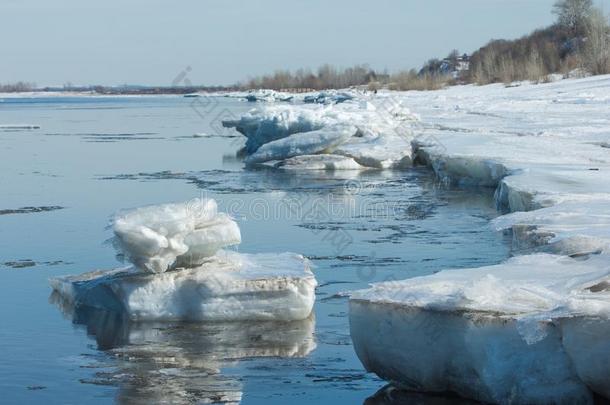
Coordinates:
column 531, row 330
column 535, row 328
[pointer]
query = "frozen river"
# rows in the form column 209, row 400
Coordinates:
column 67, row 164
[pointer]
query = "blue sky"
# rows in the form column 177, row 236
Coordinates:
column 151, row 41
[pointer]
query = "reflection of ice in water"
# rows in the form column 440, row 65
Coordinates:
column 177, row 362
column 390, row 395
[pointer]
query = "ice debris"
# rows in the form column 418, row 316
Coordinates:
column 180, row 272
column 375, row 135
column 160, row 237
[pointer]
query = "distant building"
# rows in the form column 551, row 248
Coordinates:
column 450, row 66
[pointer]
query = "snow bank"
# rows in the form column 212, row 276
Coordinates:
column 496, row 334
column 381, row 150
column 381, row 137
column 226, row 287
column 541, row 146
column 533, row 329
column 528, row 288
column 571, row 227
column 160, row 237
column 565, row 210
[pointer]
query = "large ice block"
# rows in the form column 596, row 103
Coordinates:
column 380, row 138
column 303, row 143
column 531, row 330
column 226, row 287
column 159, row 237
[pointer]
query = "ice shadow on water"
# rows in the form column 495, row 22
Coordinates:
column 390, row 395
column 265, row 179
column 179, row 362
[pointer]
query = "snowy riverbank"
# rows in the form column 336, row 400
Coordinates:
column 534, row 329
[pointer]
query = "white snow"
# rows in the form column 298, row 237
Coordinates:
column 526, row 288
column 271, row 96
column 533, row 329
column 565, row 209
column 157, row 238
column 226, row 287
column 387, row 150
column 262, row 95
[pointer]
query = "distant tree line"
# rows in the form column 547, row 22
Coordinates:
column 16, row 87
column 326, row 77
column 580, row 39
column 115, row 90
column 152, row 90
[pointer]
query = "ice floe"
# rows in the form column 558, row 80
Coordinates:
column 381, row 133
column 179, row 271
column 303, row 143
column 268, row 96
column 328, row 97
column 270, row 123
column 226, row 287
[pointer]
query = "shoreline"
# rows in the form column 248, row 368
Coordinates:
column 544, row 152
column 182, row 92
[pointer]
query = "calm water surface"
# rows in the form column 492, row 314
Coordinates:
column 60, row 183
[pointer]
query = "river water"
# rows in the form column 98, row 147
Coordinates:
column 92, row 156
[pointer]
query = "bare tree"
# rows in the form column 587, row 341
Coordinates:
column 573, row 14
column 596, row 52
column 453, row 57
column 17, row 87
